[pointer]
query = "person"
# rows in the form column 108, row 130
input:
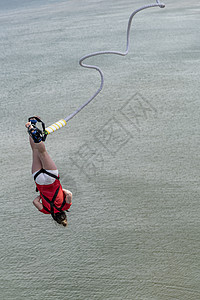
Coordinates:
column 53, row 199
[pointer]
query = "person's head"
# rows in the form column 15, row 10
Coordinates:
column 60, row 218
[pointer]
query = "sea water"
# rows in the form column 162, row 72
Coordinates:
column 131, row 158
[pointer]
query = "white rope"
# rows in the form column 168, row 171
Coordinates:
column 157, row 4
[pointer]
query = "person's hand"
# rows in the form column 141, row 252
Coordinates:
column 68, row 196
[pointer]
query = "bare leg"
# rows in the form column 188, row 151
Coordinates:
column 45, row 159
column 36, row 163
column 41, row 158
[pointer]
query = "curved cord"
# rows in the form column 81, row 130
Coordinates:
column 63, row 122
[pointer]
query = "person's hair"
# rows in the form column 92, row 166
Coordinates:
column 60, row 218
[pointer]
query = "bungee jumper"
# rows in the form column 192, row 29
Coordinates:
column 53, row 199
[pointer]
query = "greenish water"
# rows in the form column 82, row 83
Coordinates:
column 131, row 158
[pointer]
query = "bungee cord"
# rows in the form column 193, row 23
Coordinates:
column 61, row 123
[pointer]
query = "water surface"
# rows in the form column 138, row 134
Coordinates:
column 130, row 158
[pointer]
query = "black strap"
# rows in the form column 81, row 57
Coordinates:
column 44, row 133
column 45, row 208
column 46, row 172
column 38, row 120
column 37, row 174
column 63, row 204
column 51, row 202
column 51, row 175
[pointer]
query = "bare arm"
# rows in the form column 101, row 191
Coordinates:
column 37, row 203
column 68, row 196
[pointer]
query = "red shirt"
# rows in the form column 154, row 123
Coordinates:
column 47, row 193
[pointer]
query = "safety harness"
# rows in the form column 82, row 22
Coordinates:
column 37, row 134
column 46, row 172
column 51, row 202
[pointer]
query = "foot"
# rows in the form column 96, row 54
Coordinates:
column 34, row 132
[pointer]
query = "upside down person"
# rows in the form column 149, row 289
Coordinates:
column 53, row 199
